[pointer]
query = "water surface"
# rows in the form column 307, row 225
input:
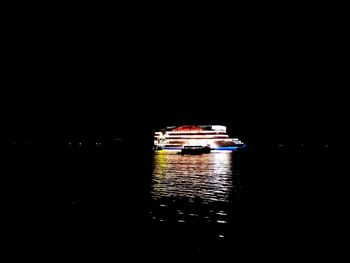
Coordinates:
column 196, row 200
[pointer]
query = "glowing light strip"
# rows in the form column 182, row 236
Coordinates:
column 192, row 132
column 200, row 139
column 215, row 149
column 192, row 137
column 196, row 132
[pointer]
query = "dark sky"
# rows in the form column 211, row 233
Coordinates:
column 269, row 79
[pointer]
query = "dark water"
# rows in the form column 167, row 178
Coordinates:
column 118, row 200
column 200, row 197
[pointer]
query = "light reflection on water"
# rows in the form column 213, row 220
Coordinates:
column 207, row 177
column 196, row 200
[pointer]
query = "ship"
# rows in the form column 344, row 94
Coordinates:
column 213, row 136
column 194, row 149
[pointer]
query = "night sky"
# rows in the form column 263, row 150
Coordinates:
column 270, row 80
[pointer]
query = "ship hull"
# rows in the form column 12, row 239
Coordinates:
column 229, row 148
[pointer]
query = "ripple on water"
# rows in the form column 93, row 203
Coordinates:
column 195, row 190
column 207, row 177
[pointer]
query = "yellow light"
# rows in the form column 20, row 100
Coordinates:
column 192, row 176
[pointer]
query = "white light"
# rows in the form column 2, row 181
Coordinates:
column 218, row 128
column 197, row 136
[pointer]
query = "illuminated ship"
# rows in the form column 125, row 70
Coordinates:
column 214, row 136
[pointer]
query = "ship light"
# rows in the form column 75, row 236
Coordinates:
column 218, row 128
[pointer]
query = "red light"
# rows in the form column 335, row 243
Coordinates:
column 188, row 128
